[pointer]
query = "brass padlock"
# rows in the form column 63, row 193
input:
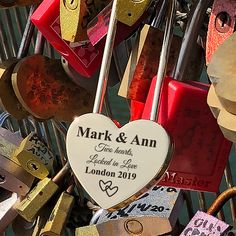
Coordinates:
column 42, row 87
column 225, row 120
column 75, row 16
column 129, row 11
column 58, row 218
column 34, row 156
column 12, row 176
column 222, row 73
column 8, row 213
column 8, row 99
column 30, row 206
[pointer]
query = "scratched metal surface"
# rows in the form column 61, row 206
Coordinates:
column 12, row 24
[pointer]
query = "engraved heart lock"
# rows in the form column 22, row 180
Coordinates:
column 107, row 159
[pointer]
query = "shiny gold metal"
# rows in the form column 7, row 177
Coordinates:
column 87, row 231
column 222, row 72
column 59, row 216
column 225, row 120
column 8, row 99
column 34, row 156
column 29, row 208
column 129, row 11
column 75, row 16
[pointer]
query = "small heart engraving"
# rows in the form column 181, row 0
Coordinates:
column 112, row 191
column 104, row 185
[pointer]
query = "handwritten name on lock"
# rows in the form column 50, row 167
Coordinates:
column 205, row 225
column 107, row 159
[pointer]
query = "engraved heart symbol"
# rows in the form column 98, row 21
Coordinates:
column 104, row 185
column 114, row 165
column 112, row 191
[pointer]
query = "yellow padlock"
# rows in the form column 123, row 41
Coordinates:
column 75, row 16
column 34, row 156
column 129, row 11
column 58, row 218
column 29, row 208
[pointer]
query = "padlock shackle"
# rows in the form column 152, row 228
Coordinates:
column 191, row 34
column 60, row 175
column 166, row 44
column 39, row 44
column 218, row 204
column 106, row 61
column 27, row 35
column 160, row 15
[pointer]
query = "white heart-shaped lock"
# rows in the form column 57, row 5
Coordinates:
column 116, row 165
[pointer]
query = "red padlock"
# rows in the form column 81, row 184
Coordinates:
column 221, row 25
column 85, row 59
column 200, row 150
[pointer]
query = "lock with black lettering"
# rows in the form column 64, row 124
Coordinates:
column 207, row 223
column 8, row 214
column 176, row 109
column 13, row 177
column 59, row 216
column 35, row 157
column 160, row 205
column 29, row 208
column 105, row 179
column 43, row 89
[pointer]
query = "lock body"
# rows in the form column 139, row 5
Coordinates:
column 197, row 138
column 8, row 99
column 59, row 216
column 85, row 59
column 29, row 207
column 161, row 205
column 54, row 95
column 204, row 224
column 75, row 16
column 35, row 157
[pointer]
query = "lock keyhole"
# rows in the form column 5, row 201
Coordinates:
column 2, row 179
column 222, row 22
column 34, row 167
column 71, row 4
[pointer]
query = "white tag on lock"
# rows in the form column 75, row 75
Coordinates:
column 113, row 164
